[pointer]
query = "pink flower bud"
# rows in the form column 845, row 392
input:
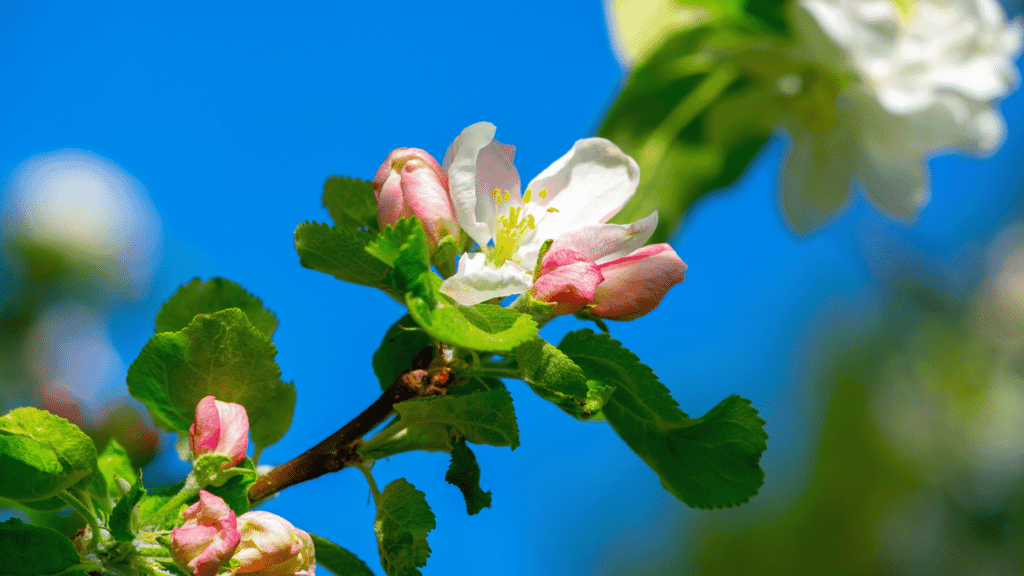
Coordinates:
column 635, row 284
column 411, row 183
column 271, row 546
column 208, row 538
column 567, row 278
column 220, row 428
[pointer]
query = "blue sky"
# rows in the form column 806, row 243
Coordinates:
column 232, row 115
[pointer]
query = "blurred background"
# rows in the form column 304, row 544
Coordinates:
column 143, row 146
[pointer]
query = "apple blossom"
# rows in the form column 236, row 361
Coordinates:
column 635, row 284
column 271, row 546
column 208, row 537
column 890, row 83
column 569, row 202
column 411, row 183
column 220, row 428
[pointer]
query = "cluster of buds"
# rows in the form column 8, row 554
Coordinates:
column 211, row 536
column 623, row 287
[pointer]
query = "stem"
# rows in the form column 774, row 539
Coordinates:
column 495, row 372
column 189, row 491
column 338, row 450
column 90, row 518
column 369, row 480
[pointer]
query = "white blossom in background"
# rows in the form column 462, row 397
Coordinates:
column 911, row 78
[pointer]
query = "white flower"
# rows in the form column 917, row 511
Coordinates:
column 569, row 202
column 911, row 77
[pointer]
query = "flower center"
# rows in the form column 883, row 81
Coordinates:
column 511, row 226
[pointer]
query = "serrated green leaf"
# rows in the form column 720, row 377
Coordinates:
column 402, row 343
column 339, row 251
column 218, row 354
column 235, row 491
column 337, row 560
column 464, row 474
column 114, row 463
column 350, row 202
column 29, row 550
column 448, row 323
column 120, row 518
column 482, row 417
column 555, row 377
column 668, row 115
column 213, row 295
column 42, row 455
column 403, row 520
column 710, row 462
column 404, row 248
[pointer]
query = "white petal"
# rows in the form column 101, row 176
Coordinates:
column 603, row 242
column 475, row 281
column 815, row 179
column 588, row 185
column 476, row 165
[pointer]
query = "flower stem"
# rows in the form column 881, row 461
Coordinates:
column 369, row 480
column 90, row 517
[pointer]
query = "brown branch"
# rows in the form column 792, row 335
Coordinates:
column 338, row 450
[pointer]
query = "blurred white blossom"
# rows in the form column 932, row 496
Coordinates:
column 904, row 79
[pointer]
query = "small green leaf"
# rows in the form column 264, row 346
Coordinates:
column 405, row 249
column 235, row 491
column 114, row 463
column 552, row 374
column 42, row 455
column 402, row 343
column 449, row 323
column 350, row 202
column 444, row 256
column 120, row 518
column 213, row 295
column 402, row 522
column 29, row 550
column 219, row 354
column 710, row 462
column 464, row 473
column 481, row 417
column 151, row 513
column 339, row 251
column 337, row 560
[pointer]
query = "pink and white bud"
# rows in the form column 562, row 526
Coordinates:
column 635, row 284
column 271, row 546
column 567, row 278
column 411, row 183
column 220, row 428
column 208, row 538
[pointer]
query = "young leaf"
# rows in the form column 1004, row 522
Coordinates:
column 402, row 522
column 552, row 374
column 114, row 463
column 29, row 550
column 220, row 354
column 482, row 417
column 711, row 462
column 404, row 248
column 152, row 515
column 402, row 343
column 339, row 251
column 444, row 257
column 42, row 455
column 120, row 518
column 464, row 474
column 214, row 295
column 350, row 202
column 235, row 491
column 337, row 560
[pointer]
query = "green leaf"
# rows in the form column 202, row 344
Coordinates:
column 120, row 518
column 350, row 202
column 685, row 114
column 151, row 505
column 402, row 343
column 482, row 417
column 464, row 473
column 42, row 455
column 236, row 490
column 339, row 251
column 214, row 295
column 337, row 560
column 405, row 249
column 218, row 354
column 277, row 418
column 29, row 550
column 114, row 463
column 710, row 462
column 555, row 377
column 444, row 256
column 402, row 522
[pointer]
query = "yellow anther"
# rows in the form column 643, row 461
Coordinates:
column 544, row 193
column 552, row 210
column 529, row 222
column 507, row 195
column 496, row 195
column 526, row 196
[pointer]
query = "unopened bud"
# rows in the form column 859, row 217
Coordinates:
column 411, row 183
